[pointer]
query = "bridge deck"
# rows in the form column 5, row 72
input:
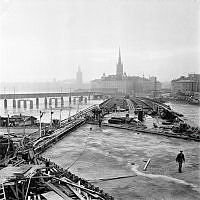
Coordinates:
column 46, row 94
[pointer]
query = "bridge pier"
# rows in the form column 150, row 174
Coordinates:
column 25, row 104
column 14, row 103
column 50, row 102
column 31, row 104
column 85, row 100
column 5, row 103
column 45, row 103
column 19, row 104
column 62, row 101
column 56, row 102
column 37, row 102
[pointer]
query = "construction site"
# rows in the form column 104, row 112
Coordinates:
column 108, row 151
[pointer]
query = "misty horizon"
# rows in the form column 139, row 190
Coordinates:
column 46, row 40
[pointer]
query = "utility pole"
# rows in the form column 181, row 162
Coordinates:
column 8, row 122
column 41, row 114
column 60, row 115
column 69, row 102
column 155, row 87
column 8, row 130
column 51, row 118
column 24, row 125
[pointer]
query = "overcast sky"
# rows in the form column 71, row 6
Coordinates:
column 45, row 39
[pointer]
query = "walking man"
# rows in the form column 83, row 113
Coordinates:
column 180, row 159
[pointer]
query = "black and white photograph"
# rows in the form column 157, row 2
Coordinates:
column 99, row 99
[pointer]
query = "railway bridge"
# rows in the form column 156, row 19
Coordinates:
column 47, row 97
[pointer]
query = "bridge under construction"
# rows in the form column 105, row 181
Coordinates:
column 25, row 174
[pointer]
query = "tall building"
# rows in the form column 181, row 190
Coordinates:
column 123, row 84
column 79, row 78
column 186, row 85
column 119, row 68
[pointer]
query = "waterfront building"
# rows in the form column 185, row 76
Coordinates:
column 18, row 120
column 189, row 85
column 120, row 83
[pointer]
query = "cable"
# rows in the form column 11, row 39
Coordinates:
column 80, row 153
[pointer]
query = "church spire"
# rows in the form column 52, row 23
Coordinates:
column 119, row 68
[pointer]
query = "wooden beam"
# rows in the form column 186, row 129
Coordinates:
column 145, row 167
column 23, row 191
column 58, row 191
column 90, row 192
column 13, row 190
column 17, row 190
column 79, row 195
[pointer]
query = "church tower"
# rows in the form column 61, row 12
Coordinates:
column 119, row 68
column 79, row 79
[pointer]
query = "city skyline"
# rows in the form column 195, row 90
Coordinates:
column 46, row 40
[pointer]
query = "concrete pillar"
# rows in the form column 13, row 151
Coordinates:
column 50, row 102
column 19, row 103
column 5, row 103
column 14, row 103
column 79, row 99
column 31, row 104
column 25, row 104
column 74, row 100
column 89, row 97
column 62, row 101
column 37, row 102
column 85, row 100
column 56, row 102
column 45, row 103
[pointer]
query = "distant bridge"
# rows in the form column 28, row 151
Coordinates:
column 27, row 97
column 46, row 94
